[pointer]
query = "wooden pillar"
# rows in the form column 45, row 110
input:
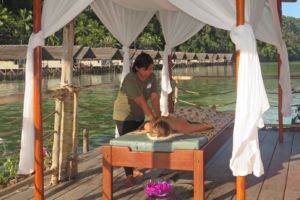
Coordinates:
column 66, row 139
column 37, row 107
column 280, row 116
column 170, row 100
column 240, row 20
column 107, row 173
column 67, row 61
column 199, row 186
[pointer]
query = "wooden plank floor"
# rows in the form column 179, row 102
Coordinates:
column 280, row 181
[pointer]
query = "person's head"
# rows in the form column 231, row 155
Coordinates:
column 160, row 128
column 143, row 65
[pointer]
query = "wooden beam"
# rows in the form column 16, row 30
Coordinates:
column 240, row 20
column 280, row 116
column 37, row 107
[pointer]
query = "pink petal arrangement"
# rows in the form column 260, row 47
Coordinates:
column 158, row 189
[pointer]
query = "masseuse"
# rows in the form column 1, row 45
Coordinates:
column 131, row 105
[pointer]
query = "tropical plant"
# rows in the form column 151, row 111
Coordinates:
column 24, row 25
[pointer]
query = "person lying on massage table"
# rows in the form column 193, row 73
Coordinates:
column 165, row 126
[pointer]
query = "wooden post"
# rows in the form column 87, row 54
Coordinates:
column 37, row 108
column 240, row 20
column 280, row 116
column 74, row 170
column 170, row 101
column 85, row 141
column 67, row 61
column 66, row 140
column 199, row 187
column 107, row 173
column 56, row 138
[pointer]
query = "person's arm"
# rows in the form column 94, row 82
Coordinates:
column 141, row 102
column 155, row 104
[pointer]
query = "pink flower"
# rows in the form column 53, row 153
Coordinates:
column 160, row 188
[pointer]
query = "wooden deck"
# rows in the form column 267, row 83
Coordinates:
column 280, row 181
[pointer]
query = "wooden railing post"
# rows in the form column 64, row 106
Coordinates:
column 56, row 138
column 85, row 141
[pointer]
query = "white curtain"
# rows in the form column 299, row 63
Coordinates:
column 177, row 27
column 269, row 30
column 56, row 14
column 125, row 25
column 252, row 102
column 251, row 96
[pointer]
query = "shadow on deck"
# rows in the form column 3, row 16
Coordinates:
column 280, row 181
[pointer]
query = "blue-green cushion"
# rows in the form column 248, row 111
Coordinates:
column 140, row 142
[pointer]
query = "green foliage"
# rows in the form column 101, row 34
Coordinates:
column 16, row 27
column 8, row 170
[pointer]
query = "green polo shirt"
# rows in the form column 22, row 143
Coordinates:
column 125, row 109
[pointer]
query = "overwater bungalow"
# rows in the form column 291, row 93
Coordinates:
column 179, row 58
column 84, row 57
column 201, row 57
column 106, row 57
column 214, row 167
column 192, row 58
column 53, row 61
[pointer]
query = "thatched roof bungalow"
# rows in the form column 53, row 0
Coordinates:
column 155, row 55
column 209, row 58
column 105, row 56
column 14, row 56
column 201, row 57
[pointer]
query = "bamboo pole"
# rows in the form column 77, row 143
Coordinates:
column 56, row 138
column 280, row 116
column 240, row 20
column 37, row 108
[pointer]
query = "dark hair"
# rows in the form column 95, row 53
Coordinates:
column 143, row 60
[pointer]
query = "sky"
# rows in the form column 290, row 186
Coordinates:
column 291, row 9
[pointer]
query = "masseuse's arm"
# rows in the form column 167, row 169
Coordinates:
column 155, row 104
column 141, row 102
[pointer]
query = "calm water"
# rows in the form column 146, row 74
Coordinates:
column 95, row 106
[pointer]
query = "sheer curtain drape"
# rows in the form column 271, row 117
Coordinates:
column 269, row 30
column 56, row 14
column 125, row 25
column 251, row 95
column 177, row 27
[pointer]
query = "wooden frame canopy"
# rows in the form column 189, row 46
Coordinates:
column 38, row 127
